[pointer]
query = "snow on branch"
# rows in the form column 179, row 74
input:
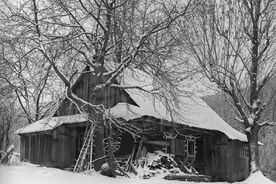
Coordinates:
column 267, row 123
column 166, row 23
column 153, row 91
column 239, row 119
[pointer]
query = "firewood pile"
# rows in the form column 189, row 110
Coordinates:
column 149, row 165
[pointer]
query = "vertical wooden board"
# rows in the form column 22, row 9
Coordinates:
column 228, row 161
column 240, row 162
column 45, row 149
column 33, row 149
column 86, row 90
column 244, row 164
column 69, row 155
column 247, row 168
column 223, row 161
column 64, row 156
column 207, row 154
column 28, row 148
column 237, row 161
column 88, row 86
column 180, row 147
column 48, row 149
column 210, row 157
column 54, row 152
column 42, row 149
column 22, row 147
column 70, row 150
column 232, row 160
column 214, row 168
column 172, row 146
column 84, row 87
column 38, row 149
column 219, row 157
column 61, row 153
column 73, row 145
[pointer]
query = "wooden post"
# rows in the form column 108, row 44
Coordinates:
column 172, row 146
column 143, row 139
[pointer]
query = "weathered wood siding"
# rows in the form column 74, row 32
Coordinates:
column 84, row 88
column 229, row 159
column 36, row 148
column 58, row 149
column 218, row 156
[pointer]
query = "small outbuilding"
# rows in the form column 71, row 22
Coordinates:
column 200, row 141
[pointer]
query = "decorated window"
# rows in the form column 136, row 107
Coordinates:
column 190, row 145
column 186, row 147
column 191, row 148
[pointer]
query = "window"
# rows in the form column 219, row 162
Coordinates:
column 244, row 151
column 191, row 147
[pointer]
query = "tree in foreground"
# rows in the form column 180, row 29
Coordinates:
column 234, row 44
column 109, row 36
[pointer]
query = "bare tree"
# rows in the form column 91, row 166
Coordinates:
column 234, row 44
column 27, row 76
column 107, row 35
column 9, row 118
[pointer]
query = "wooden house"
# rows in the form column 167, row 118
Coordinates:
column 192, row 132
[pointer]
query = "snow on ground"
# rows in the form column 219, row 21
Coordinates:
column 25, row 173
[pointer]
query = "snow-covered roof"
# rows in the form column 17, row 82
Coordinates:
column 197, row 115
column 191, row 110
column 50, row 123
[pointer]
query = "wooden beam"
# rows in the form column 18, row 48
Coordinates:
column 72, row 125
column 159, row 143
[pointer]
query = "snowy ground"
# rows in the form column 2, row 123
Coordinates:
column 25, row 173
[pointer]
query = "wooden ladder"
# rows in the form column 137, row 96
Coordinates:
column 86, row 152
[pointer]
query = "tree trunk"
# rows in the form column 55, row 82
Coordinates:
column 99, row 147
column 110, row 159
column 253, row 146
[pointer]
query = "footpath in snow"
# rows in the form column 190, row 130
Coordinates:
column 25, row 173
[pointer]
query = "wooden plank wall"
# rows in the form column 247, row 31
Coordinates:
column 239, row 162
column 22, row 148
column 36, row 148
column 228, row 162
column 207, row 154
column 83, row 88
column 57, row 149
